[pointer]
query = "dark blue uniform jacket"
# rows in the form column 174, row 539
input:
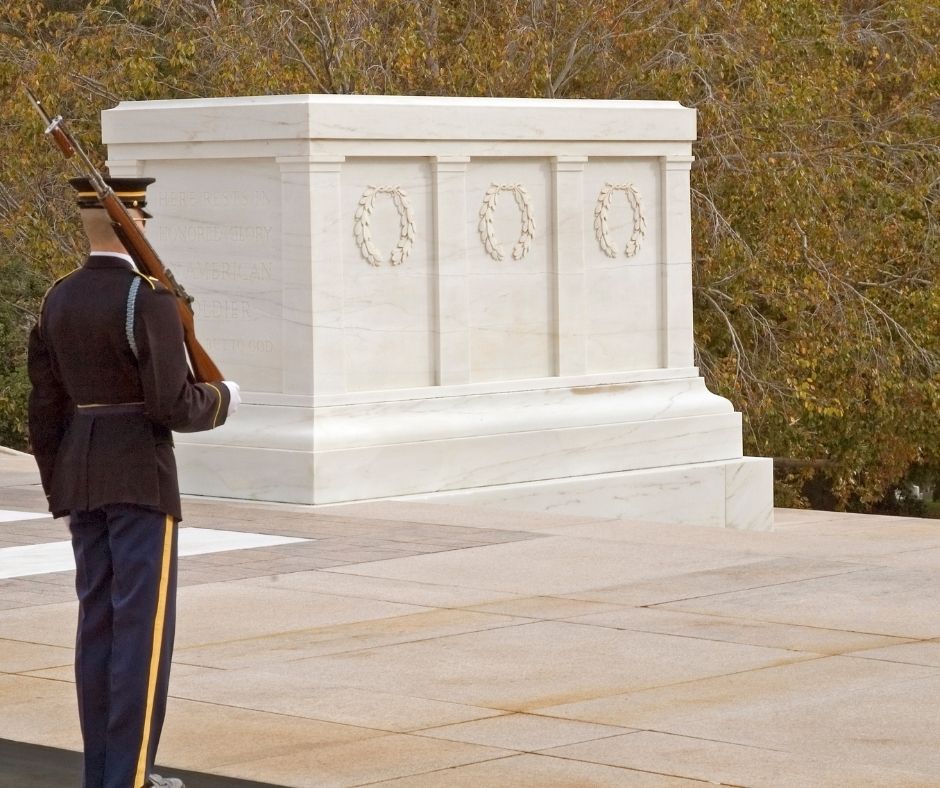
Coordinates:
column 82, row 363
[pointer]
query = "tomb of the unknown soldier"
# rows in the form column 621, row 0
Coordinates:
column 474, row 301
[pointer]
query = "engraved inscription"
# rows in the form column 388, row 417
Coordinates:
column 225, row 309
column 214, row 199
column 239, row 346
column 215, row 233
column 230, row 272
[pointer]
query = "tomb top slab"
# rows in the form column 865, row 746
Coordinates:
column 344, row 117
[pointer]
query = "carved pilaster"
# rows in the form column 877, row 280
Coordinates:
column 311, row 252
column 568, row 253
column 453, row 291
column 676, row 212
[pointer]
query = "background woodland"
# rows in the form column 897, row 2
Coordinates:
column 815, row 187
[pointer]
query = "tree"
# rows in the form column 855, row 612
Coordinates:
column 814, row 191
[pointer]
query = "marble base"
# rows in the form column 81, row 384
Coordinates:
column 730, row 494
column 659, row 447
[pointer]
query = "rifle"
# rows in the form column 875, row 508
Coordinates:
column 137, row 245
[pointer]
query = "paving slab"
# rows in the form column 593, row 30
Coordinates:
column 901, row 603
column 553, row 565
column 811, row 639
column 540, row 663
column 523, row 732
column 363, row 762
column 295, row 691
column 424, row 645
column 749, row 573
column 870, row 713
column 409, row 592
column 719, row 762
column 539, row 771
column 922, row 652
column 17, row 656
column 240, row 735
column 308, row 642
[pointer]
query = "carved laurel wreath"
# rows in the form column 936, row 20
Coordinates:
column 487, row 234
column 602, row 231
column 406, row 233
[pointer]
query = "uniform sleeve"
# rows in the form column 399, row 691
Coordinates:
column 50, row 407
column 171, row 396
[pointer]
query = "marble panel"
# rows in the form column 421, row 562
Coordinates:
column 625, row 328
column 389, row 301
column 678, row 321
column 510, row 285
column 623, row 263
column 220, row 234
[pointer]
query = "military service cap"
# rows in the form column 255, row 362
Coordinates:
column 130, row 191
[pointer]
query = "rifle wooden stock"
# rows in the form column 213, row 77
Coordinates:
column 61, row 139
column 137, row 245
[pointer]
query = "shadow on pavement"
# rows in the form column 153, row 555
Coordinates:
column 33, row 766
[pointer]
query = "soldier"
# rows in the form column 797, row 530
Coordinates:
column 110, row 380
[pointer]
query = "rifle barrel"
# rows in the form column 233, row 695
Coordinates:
column 133, row 239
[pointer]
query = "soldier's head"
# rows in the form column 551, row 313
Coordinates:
column 132, row 192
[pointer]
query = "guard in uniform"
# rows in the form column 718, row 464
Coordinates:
column 110, row 380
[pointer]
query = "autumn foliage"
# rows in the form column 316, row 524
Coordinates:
column 815, row 189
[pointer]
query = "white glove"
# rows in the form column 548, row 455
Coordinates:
column 235, row 398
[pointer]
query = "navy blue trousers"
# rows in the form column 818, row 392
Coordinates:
column 125, row 576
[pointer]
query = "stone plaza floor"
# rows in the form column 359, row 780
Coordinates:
column 417, row 646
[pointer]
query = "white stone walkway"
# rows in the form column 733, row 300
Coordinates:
column 419, row 645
